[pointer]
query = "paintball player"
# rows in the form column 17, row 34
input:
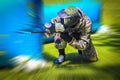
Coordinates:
column 72, row 26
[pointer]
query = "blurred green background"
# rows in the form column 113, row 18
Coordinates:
column 107, row 45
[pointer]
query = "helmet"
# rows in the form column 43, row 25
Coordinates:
column 72, row 11
column 69, row 16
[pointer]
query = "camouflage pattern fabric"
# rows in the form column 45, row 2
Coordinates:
column 82, row 41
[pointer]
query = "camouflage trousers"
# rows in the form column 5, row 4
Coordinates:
column 89, row 54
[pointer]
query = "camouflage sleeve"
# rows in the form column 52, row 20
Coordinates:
column 84, row 40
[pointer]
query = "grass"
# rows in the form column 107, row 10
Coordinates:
column 106, row 68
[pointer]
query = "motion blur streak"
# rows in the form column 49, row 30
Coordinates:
column 106, row 41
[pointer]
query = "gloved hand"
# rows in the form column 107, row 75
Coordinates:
column 57, row 38
column 47, row 33
column 48, row 25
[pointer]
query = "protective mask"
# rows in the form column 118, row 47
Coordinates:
column 65, row 21
column 59, row 27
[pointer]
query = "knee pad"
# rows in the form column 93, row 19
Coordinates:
column 61, row 45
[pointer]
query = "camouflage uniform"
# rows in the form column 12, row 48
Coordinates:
column 80, row 35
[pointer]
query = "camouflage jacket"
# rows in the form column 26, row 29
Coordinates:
column 84, row 30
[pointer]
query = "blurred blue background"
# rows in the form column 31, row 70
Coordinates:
column 32, row 14
column 14, row 16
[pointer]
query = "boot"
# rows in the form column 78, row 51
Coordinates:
column 61, row 57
